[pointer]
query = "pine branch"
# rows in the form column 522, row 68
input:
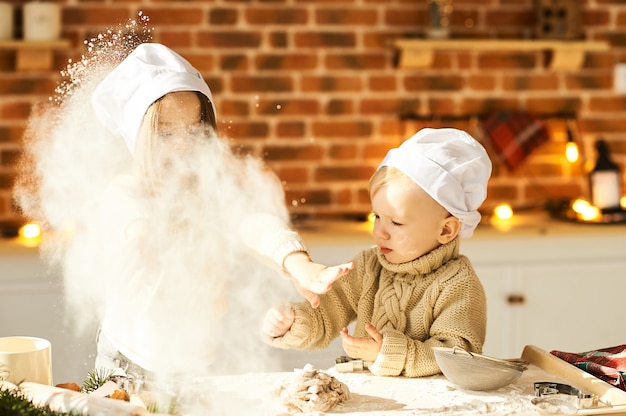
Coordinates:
column 96, row 379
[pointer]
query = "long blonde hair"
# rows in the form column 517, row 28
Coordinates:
column 148, row 136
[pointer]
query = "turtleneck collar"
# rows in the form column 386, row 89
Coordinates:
column 425, row 263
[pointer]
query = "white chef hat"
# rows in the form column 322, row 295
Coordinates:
column 451, row 166
column 148, row 73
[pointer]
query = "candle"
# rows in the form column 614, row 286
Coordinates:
column 42, row 21
column 6, row 20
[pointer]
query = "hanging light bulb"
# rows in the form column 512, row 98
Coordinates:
column 571, row 148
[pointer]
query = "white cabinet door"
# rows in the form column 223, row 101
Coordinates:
column 575, row 306
column 570, row 306
column 504, row 304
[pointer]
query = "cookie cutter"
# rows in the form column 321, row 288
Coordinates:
column 345, row 364
column 566, row 393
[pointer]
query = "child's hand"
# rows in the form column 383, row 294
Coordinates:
column 278, row 320
column 312, row 279
column 363, row 348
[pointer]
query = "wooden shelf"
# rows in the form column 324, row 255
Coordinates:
column 34, row 55
column 568, row 55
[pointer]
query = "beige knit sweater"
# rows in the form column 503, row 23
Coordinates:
column 434, row 300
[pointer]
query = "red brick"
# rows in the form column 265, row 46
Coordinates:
column 259, row 84
column 530, row 82
column 343, row 151
column 231, row 39
column 308, row 197
column 502, row 19
column 242, row 129
column 326, row 83
column 175, row 39
column 293, row 153
column 608, row 104
column 507, row 60
column 293, row 174
column 549, row 105
column 433, row 83
column 165, row 16
column 274, row 16
column 346, row 16
column 15, row 110
column 603, row 125
column 365, row 61
column 339, row 107
column 332, row 40
column 223, row 16
column 597, row 81
column 357, row 129
column 97, row 15
column 409, row 18
column 342, row 173
column 287, row 107
column 481, row 82
column 285, row 62
column 382, row 83
column 388, row 106
column 290, row 129
column 234, row 62
column 234, row 108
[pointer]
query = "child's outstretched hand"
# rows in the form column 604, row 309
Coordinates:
column 313, row 279
column 366, row 348
column 278, row 320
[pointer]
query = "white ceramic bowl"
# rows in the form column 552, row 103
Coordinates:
column 475, row 371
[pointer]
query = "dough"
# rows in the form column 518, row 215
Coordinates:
column 310, row 390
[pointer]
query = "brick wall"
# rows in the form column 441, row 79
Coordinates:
column 312, row 87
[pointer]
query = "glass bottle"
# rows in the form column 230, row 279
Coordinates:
column 604, row 179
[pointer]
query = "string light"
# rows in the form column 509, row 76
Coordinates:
column 571, row 148
column 503, row 211
column 30, row 230
column 585, row 211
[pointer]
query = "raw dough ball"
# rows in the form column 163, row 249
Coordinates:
column 310, row 390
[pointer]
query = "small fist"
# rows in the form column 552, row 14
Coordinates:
column 278, row 320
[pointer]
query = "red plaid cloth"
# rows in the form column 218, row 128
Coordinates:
column 513, row 136
column 608, row 364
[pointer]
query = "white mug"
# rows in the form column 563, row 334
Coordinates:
column 6, row 21
column 42, row 21
column 25, row 359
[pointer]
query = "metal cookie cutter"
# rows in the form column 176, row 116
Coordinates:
column 566, row 393
column 345, row 364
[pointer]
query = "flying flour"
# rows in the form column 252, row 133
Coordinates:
column 174, row 258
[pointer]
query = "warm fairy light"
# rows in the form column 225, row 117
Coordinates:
column 571, row 152
column 30, row 230
column 371, row 217
column 585, row 211
column 580, row 205
column 503, row 211
column 622, row 202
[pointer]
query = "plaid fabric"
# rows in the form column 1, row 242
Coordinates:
column 608, row 364
column 513, row 136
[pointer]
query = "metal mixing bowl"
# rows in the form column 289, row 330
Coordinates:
column 475, row 371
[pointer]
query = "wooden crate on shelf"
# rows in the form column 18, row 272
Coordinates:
column 558, row 19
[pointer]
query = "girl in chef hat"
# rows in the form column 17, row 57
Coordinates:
column 413, row 290
column 156, row 101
